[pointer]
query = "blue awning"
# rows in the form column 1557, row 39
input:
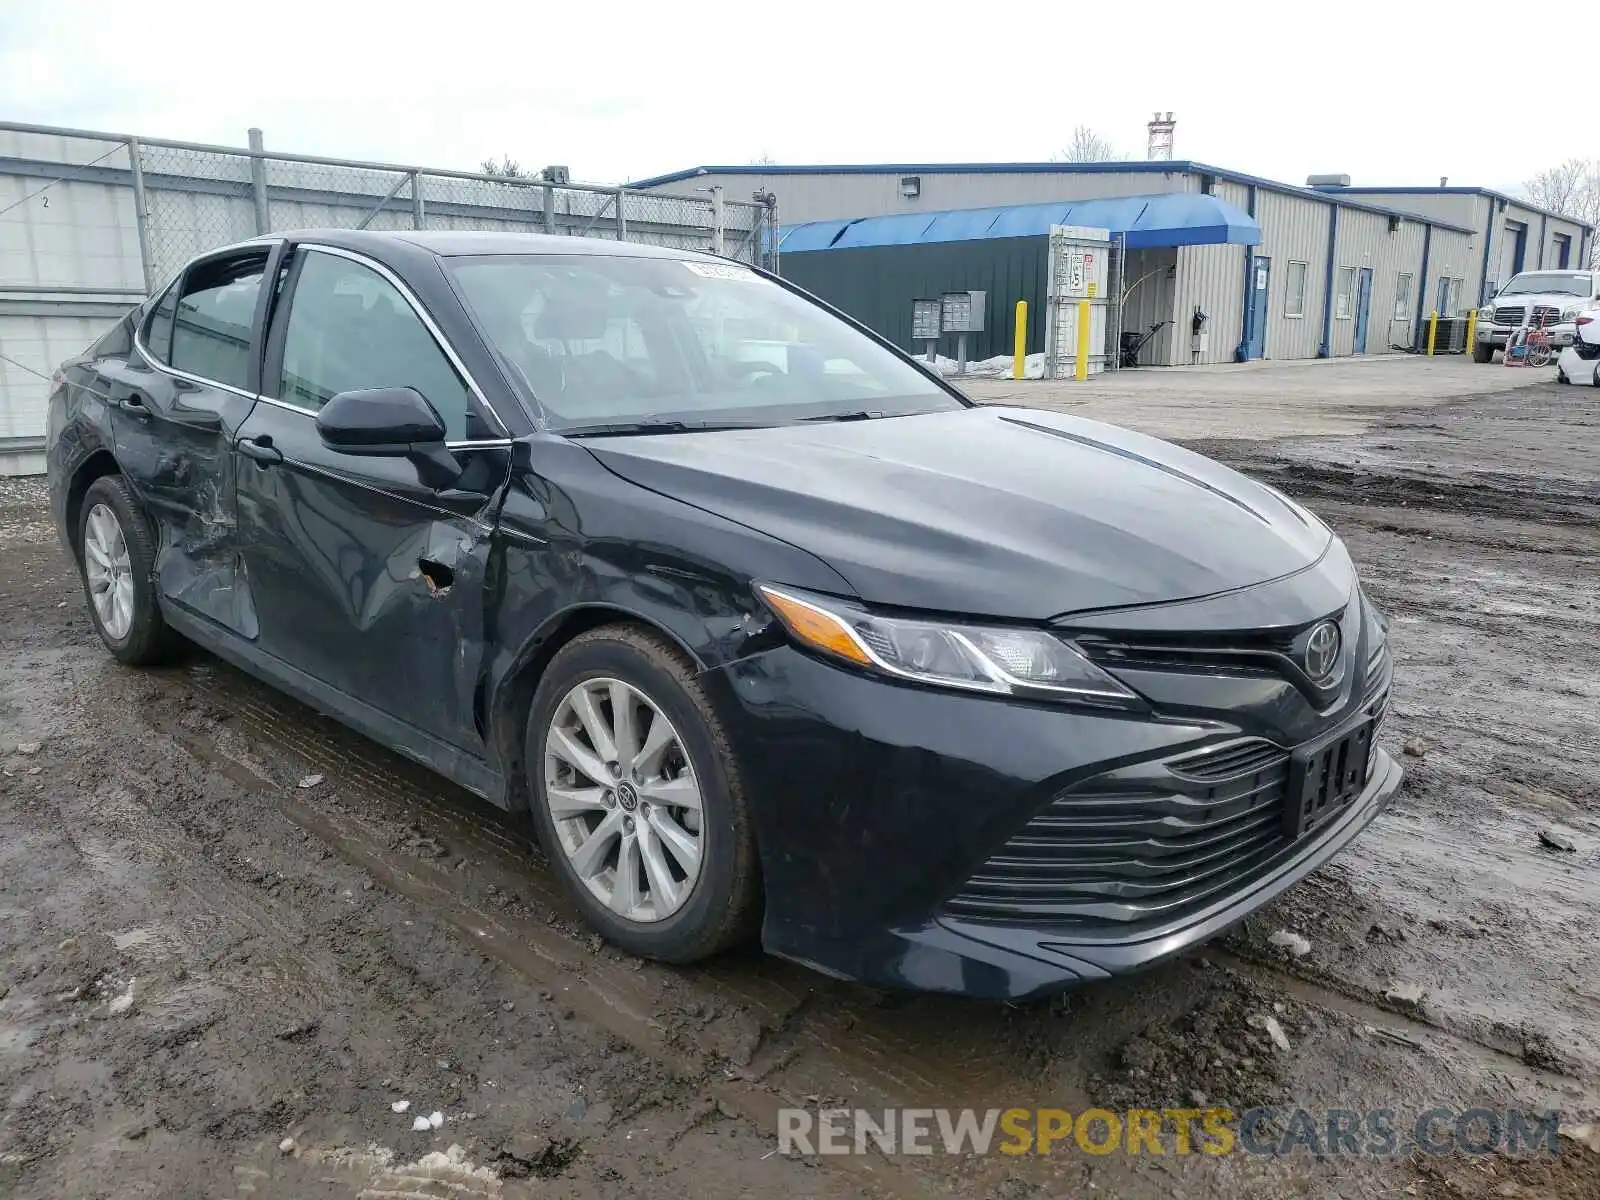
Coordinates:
column 1163, row 219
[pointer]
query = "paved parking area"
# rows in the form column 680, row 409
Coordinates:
column 1261, row 399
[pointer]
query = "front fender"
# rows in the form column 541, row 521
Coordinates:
column 579, row 546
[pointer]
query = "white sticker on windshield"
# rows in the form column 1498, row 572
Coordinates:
column 720, row 271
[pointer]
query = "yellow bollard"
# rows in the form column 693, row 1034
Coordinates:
column 1020, row 352
column 1472, row 331
column 1433, row 330
column 1081, row 362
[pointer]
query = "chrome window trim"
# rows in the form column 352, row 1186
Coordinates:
column 422, row 314
column 138, row 328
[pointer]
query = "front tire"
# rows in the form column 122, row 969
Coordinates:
column 1561, row 375
column 117, row 561
column 637, row 797
column 1483, row 352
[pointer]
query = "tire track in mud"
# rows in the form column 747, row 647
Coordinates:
column 813, row 1036
column 811, row 1039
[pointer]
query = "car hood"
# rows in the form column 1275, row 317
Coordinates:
column 1000, row 512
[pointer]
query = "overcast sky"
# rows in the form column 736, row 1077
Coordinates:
column 1390, row 93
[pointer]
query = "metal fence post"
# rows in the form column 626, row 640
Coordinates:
column 419, row 214
column 258, row 182
column 622, row 214
column 549, row 208
column 141, row 217
column 718, row 222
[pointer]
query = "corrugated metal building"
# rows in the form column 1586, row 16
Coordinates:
column 1328, row 264
column 1509, row 235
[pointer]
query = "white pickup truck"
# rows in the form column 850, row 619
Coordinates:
column 1551, row 299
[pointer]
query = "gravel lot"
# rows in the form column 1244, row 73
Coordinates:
column 215, row 981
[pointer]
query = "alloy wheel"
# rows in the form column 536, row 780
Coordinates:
column 109, row 570
column 624, row 799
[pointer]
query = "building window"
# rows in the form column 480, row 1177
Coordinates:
column 1449, row 298
column 1294, row 293
column 1343, row 306
column 1402, row 297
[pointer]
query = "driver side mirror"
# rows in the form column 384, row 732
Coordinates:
column 395, row 422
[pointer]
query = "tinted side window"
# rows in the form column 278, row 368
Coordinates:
column 158, row 331
column 350, row 329
column 211, row 330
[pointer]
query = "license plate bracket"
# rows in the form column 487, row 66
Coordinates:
column 1324, row 779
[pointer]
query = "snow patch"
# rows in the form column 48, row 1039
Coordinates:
column 999, row 367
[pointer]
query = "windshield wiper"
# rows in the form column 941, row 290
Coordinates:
column 623, row 428
column 859, row 414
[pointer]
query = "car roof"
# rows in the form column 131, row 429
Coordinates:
column 452, row 243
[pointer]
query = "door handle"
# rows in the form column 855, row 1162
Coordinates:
column 132, row 403
column 261, row 449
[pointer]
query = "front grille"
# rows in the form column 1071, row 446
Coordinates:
column 1510, row 315
column 1544, row 314
column 1139, row 844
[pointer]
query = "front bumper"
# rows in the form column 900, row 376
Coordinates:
column 876, row 804
column 1580, row 363
column 1498, row 335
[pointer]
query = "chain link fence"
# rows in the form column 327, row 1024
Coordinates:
column 91, row 222
column 189, row 198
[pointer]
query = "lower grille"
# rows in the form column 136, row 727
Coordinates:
column 1139, row 844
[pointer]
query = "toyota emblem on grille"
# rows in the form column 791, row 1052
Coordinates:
column 1322, row 651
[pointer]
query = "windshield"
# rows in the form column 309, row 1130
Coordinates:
column 603, row 340
column 1550, row 281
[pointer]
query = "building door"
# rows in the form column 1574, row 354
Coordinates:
column 1255, row 339
column 1513, row 248
column 1363, row 308
column 1563, row 251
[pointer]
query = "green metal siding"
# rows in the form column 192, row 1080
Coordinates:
column 876, row 285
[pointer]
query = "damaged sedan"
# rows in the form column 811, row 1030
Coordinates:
column 766, row 627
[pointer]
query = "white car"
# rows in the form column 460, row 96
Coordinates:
column 1548, row 299
column 1580, row 361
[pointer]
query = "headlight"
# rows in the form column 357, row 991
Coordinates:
column 1486, row 313
column 1570, row 313
column 1014, row 662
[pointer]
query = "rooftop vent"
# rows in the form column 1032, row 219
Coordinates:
column 1328, row 181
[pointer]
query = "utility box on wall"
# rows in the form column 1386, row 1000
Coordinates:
column 1078, row 262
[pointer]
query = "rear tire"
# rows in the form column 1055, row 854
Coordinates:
column 689, row 890
column 1483, row 352
column 117, row 562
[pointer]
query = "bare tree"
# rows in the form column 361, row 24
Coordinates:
column 1087, row 146
column 506, row 168
column 763, row 160
column 1571, row 189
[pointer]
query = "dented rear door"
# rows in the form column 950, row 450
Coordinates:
column 175, row 408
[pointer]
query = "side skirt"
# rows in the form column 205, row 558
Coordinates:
column 453, row 763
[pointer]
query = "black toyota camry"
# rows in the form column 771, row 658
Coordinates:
column 766, row 627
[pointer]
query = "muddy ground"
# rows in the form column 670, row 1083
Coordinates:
column 217, row 982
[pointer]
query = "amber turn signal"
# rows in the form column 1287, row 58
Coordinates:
column 816, row 628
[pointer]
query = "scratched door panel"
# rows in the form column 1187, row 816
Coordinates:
column 175, row 406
